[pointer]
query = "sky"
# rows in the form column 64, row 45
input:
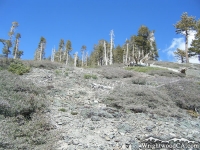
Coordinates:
column 85, row 22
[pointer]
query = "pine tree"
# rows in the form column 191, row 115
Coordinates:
column 40, row 53
column 195, row 46
column 118, row 54
column 143, row 46
column 184, row 26
column 60, row 50
column 68, row 48
column 180, row 54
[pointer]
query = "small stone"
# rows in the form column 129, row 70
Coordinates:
column 76, row 96
column 122, row 133
column 75, row 142
column 172, row 134
column 107, row 138
column 149, row 128
column 74, row 112
column 95, row 118
column 117, row 140
column 95, row 101
column 111, row 136
column 59, row 123
column 92, row 128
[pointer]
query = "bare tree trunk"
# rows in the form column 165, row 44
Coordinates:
column 142, row 53
column 139, row 54
column 52, row 55
column 124, row 59
column 60, row 55
column 41, row 51
column 75, row 59
column 16, row 48
column 145, row 58
column 82, row 58
column 111, row 55
column 86, row 58
column 67, row 58
column 105, row 57
column 111, row 46
column 133, row 52
column 186, row 47
column 126, row 53
column 136, row 59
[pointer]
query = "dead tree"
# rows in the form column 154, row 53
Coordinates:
column 111, row 46
column 75, row 58
column 53, row 54
column 105, row 54
column 127, row 52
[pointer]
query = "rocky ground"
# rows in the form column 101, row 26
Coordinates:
column 83, row 121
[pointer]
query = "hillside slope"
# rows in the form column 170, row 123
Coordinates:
column 114, row 108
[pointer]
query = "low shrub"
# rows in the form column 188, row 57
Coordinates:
column 20, row 97
column 62, row 109
column 185, row 93
column 4, row 63
column 111, row 73
column 18, row 67
column 143, row 99
column 166, row 73
column 58, row 72
column 140, row 81
column 20, row 133
column 66, row 74
column 25, row 125
column 88, row 76
column 45, row 64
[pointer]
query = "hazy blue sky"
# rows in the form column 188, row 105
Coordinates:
column 84, row 22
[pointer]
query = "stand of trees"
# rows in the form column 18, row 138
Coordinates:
column 8, row 44
column 137, row 49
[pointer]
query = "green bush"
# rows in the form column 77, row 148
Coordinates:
column 88, row 76
column 18, row 68
column 66, row 74
column 62, row 109
column 140, row 81
column 110, row 73
column 58, row 72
